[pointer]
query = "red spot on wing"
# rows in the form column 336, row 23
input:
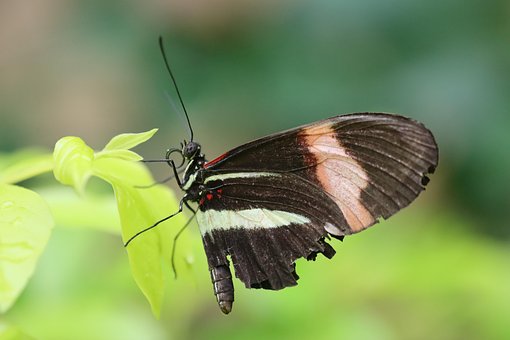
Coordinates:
column 202, row 200
column 214, row 161
column 209, row 196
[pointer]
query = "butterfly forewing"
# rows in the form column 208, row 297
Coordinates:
column 371, row 164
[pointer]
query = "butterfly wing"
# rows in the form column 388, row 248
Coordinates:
column 265, row 224
column 276, row 199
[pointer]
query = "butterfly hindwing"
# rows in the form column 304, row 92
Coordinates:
column 265, row 222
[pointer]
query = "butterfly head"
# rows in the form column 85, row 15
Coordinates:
column 190, row 150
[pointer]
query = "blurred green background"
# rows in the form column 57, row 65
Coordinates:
column 437, row 270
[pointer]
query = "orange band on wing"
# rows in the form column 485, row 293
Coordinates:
column 339, row 174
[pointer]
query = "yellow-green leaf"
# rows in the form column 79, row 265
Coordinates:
column 127, row 141
column 25, row 226
column 127, row 155
column 73, row 162
column 138, row 207
column 26, row 167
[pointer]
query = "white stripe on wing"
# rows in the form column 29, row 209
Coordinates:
column 247, row 219
column 254, row 174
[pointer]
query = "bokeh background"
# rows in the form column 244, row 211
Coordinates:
column 437, row 270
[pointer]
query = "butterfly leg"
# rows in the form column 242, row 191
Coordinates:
column 176, row 173
column 177, row 236
column 162, row 181
column 183, row 200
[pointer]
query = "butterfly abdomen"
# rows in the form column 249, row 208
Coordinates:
column 223, row 287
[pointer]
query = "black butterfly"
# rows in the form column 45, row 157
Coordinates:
column 279, row 198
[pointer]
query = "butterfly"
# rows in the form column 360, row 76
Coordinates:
column 269, row 202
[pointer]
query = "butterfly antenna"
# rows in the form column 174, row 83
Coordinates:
column 175, row 84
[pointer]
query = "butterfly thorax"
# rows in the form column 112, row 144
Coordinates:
column 193, row 180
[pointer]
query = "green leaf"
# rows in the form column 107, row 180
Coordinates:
column 23, row 165
column 73, row 162
column 127, row 155
column 127, row 141
column 25, row 226
column 138, row 207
